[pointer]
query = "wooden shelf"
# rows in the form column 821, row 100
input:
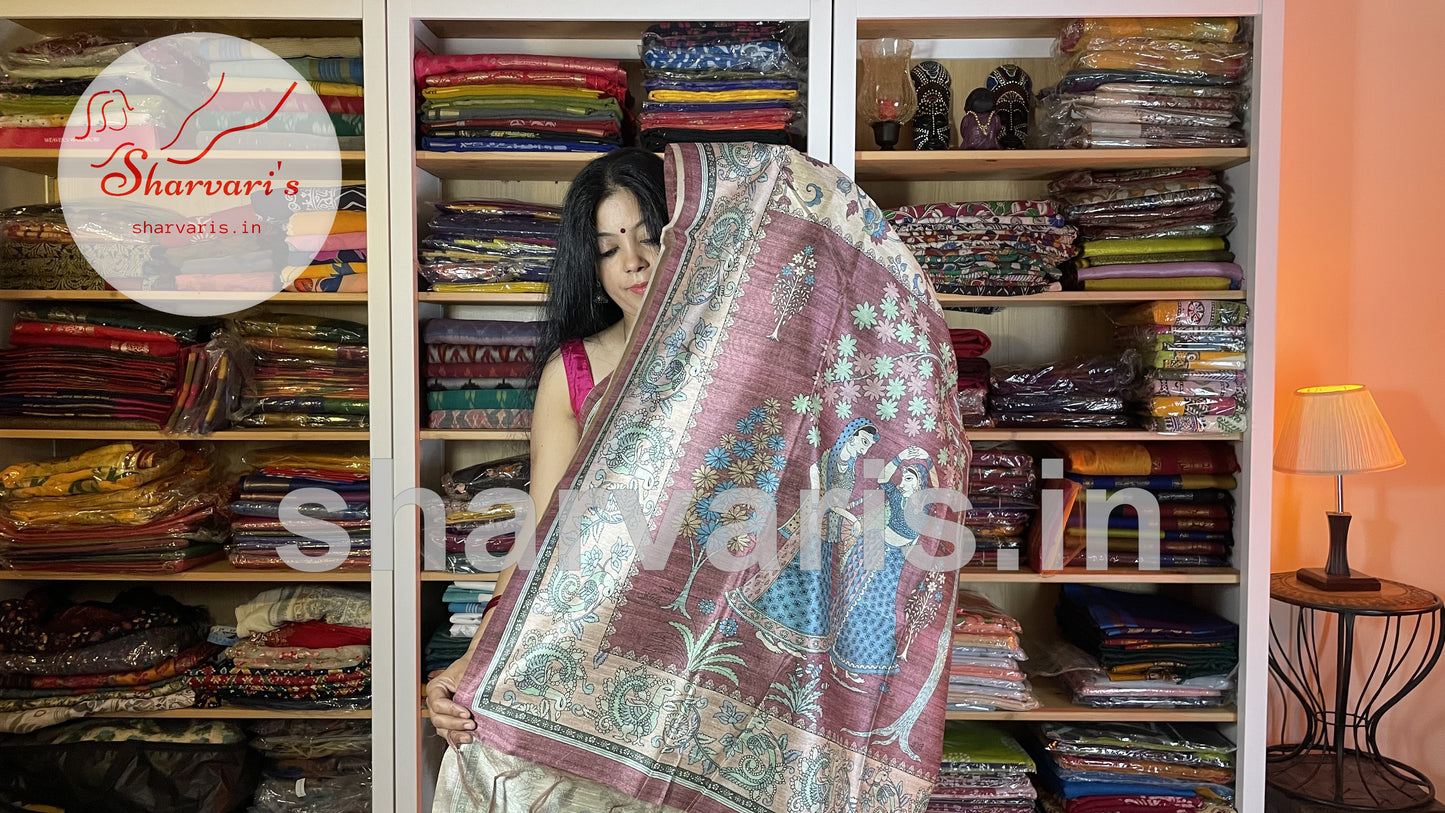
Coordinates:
column 504, row 166
column 975, row 435
column 1080, row 298
column 474, row 434
column 238, row 713
column 926, row 28
column 1056, row 706
column 449, row 298
column 439, row 576
column 221, row 571
column 45, row 161
column 1079, row 575
column 152, row 434
column 600, row 29
column 286, row 297
column 263, row 18
column 1029, row 165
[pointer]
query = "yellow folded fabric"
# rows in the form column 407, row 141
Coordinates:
column 722, row 96
column 344, row 222
column 118, row 456
column 1202, row 29
column 1158, row 284
column 1111, row 248
column 1166, row 406
column 318, row 271
column 1197, row 360
column 99, row 480
column 454, row 91
column 337, row 89
column 309, row 459
column 490, row 287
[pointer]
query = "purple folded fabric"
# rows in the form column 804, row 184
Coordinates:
column 1147, row 270
column 481, row 332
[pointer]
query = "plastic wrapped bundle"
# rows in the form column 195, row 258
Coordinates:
column 1091, row 767
column 306, row 372
column 490, row 246
column 1083, row 393
column 1148, row 82
column 987, row 248
column 258, row 536
column 478, row 373
column 313, row 766
column 985, row 673
column 1195, row 363
column 712, row 81
column 983, row 768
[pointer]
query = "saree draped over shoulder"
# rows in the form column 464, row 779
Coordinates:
column 789, row 346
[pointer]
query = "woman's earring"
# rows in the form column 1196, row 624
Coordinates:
column 601, row 298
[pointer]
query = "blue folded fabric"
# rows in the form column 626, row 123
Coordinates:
column 466, row 607
column 720, row 85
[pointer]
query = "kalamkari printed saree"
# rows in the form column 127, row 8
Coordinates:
column 789, row 342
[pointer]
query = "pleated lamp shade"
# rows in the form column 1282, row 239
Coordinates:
column 1335, row 430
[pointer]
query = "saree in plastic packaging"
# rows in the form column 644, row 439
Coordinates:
column 716, row 684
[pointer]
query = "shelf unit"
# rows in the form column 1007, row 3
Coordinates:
column 25, row 178
column 970, row 37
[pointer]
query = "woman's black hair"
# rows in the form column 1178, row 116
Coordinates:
column 572, row 307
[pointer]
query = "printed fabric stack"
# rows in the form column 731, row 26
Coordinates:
column 130, row 507
column 465, row 602
column 312, row 766
column 304, row 646
column 722, row 82
column 326, row 254
column 1003, row 494
column 257, row 534
column 519, row 102
column 476, row 373
column 38, row 252
column 968, row 348
column 984, row 674
column 1190, row 480
column 307, row 372
column 61, row 660
column 112, row 368
column 987, row 248
column 1108, row 767
column 44, row 81
column 1149, row 230
column 1079, row 394
column 1149, row 82
column 490, row 246
column 1195, row 363
column 253, row 84
column 984, row 770
column 491, row 522
column 1089, row 685
column 1142, row 636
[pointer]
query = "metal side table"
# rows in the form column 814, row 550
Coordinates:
column 1337, row 762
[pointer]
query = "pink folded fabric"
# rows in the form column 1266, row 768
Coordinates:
column 1191, row 269
column 327, row 242
column 429, row 64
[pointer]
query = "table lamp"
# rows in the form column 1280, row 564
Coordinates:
column 1336, row 430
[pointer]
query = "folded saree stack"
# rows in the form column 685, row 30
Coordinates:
column 721, row 82
column 1079, row 393
column 1090, row 685
column 312, row 766
column 490, row 246
column 465, row 602
column 132, row 507
column 44, row 81
column 258, row 535
column 1195, row 363
column 487, row 520
column 96, row 366
column 38, row 252
column 1148, row 82
column 519, row 102
column 325, row 254
column 1003, row 495
column 987, row 248
column 304, row 646
column 984, row 673
column 1141, row 636
column 1191, row 481
column 60, row 660
column 968, row 348
column 1108, row 767
column 984, row 770
column 1149, row 230
column 307, row 372
column 476, row 373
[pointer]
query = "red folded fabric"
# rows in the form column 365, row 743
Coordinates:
column 522, row 76
column 969, row 343
column 316, row 635
column 154, row 345
column 432, row 64
column 27, row 331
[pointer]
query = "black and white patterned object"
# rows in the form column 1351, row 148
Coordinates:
column 1014, row 102
column 932, row 124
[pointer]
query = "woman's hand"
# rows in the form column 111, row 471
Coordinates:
column 451, row 720
column 914, row 453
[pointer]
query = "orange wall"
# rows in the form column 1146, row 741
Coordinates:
column 1362, row 294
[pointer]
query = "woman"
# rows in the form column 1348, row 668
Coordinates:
column 612, row 219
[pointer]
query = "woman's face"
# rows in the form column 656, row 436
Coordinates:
column 860, row 443
column 626, row 252
column 909, row 484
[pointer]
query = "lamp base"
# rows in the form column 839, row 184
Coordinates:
column 886, row 133
column 1320, row 579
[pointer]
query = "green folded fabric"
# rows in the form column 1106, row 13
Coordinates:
column 481, row 399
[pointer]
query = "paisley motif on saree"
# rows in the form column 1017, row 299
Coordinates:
column 789, row 343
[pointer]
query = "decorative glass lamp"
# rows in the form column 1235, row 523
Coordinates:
column 886, row 97
column 1336, row 430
